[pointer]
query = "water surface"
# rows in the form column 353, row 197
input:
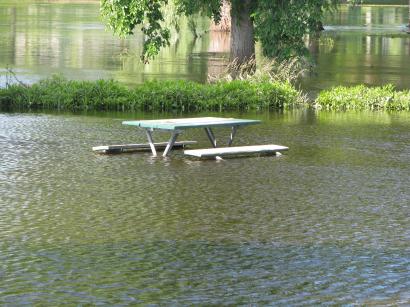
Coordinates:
column 366, row 44
column 325, row 223
column 360, row 45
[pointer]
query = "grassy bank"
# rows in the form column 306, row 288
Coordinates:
column 364, row 98
column 58, row 93
column 61, row 94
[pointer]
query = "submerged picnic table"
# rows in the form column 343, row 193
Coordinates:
column 176, row 127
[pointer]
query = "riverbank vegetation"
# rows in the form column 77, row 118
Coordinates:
column 361, row 97
column 61, row 94
column 255, row 92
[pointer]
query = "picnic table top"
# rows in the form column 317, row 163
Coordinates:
column 195, row 122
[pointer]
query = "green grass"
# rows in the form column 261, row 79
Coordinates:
column 59, row 93
column 362, row 97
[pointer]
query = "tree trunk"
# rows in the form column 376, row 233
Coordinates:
column 242, row 36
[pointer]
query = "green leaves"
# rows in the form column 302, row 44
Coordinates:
column 123, row 16
column 210, row 8
column 178, row 95
column 281, row 25
column 361, row 97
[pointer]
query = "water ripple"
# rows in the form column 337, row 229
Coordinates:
column 326, row 223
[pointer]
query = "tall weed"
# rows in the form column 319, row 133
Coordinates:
column 361, row 97
column 186, row 96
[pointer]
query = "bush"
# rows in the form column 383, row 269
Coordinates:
column 62, row 94
column 364, row 98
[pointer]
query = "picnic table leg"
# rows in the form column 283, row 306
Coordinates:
column 211, row 136
column 151, row 143
column 233, row 132
column 171, row 143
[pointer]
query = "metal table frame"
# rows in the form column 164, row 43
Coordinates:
column 176, row 127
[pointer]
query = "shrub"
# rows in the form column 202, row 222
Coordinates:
column 62, row 94
column 362, row 97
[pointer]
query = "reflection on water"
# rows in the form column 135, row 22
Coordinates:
column 360, row 45
column 325, row 223
column 38, row 40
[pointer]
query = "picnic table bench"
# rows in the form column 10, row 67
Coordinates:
column 176, row 127
column 235, row 151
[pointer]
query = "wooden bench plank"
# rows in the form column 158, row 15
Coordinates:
column 138, row 147
column 237, row 150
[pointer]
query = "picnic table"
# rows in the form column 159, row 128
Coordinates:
column 176, row 127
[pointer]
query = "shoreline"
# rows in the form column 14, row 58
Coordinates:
column 59, row 93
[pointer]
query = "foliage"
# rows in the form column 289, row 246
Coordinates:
column 251, row 93
column 361, row 97
column 266, row 70
column 173, row 22
column 62, row 94
column 279, row 25
column 354, row 2
column 59, row 93
column 123, row 15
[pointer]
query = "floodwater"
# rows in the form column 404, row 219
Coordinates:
column 326, row 222
column 360, row 45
